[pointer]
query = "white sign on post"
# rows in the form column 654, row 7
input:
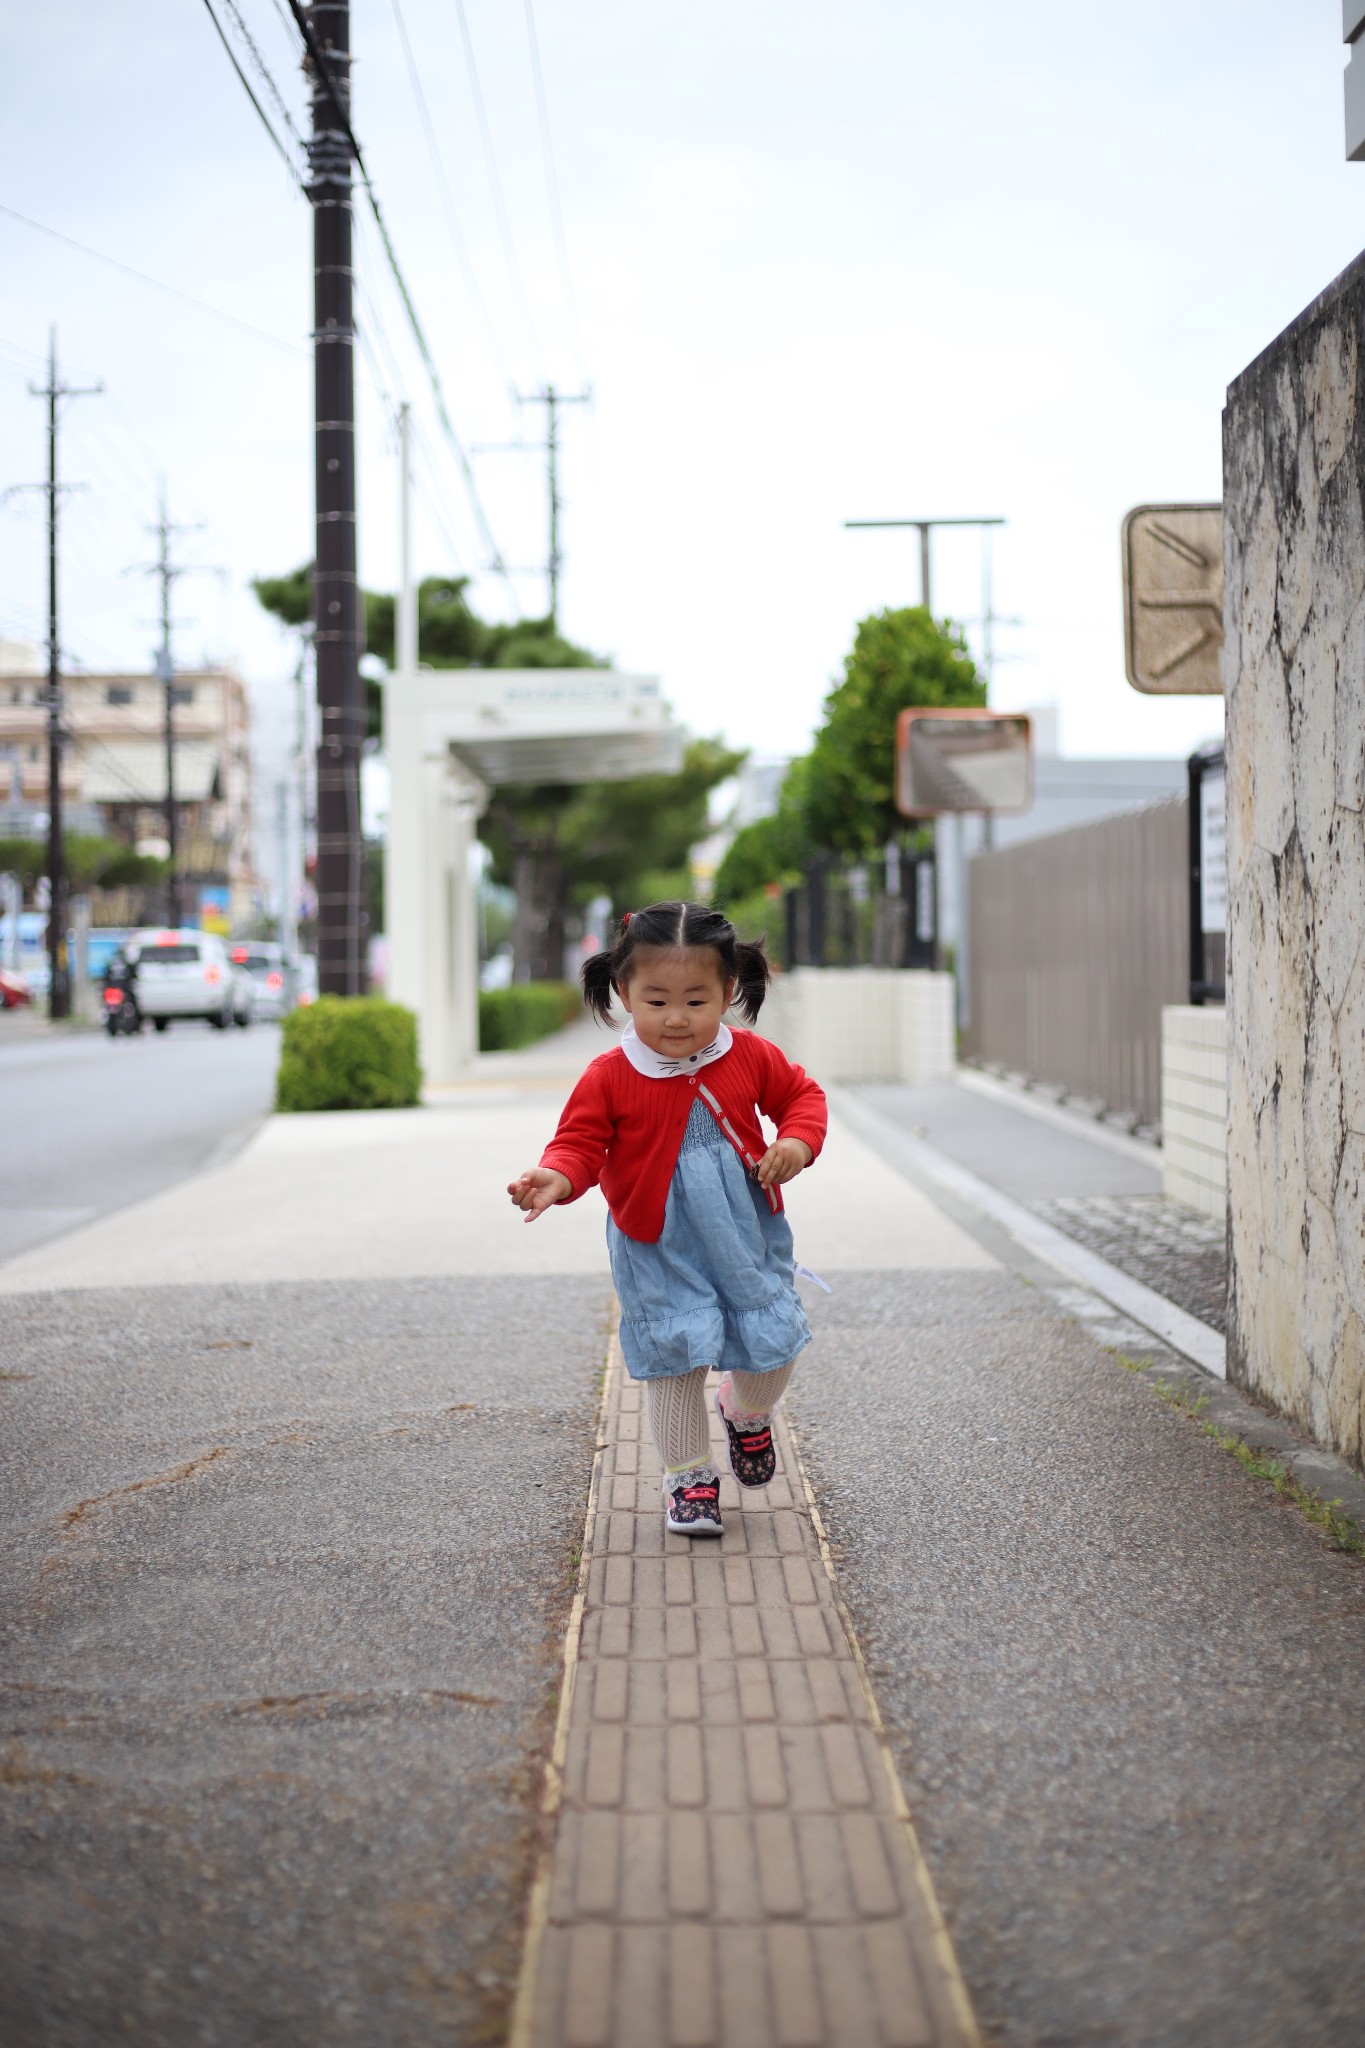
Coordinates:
column 1213, row 856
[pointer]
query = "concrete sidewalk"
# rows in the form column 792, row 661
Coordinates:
column 296, row 1461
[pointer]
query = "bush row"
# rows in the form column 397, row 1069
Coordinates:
column 509, row 1017
column 349, row 1052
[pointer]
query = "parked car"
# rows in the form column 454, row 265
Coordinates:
column 270, row 975
column 188, row 973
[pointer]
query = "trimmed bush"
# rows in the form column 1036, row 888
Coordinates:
column 509, row 1017
column 349, row 1052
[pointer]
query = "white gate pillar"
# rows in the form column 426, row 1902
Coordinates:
column 429, row 896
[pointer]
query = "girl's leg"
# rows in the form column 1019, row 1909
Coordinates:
column 677, row 1418
column 752, row 1396
column 746, row 1401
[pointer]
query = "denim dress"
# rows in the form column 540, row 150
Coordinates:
column 718, row 1288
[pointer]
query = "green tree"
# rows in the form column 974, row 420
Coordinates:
column 899, row 658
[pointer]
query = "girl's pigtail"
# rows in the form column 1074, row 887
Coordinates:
column 597, row 979
column 752, row 975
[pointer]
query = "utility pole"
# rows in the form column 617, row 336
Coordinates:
column 336, row 637
column 59, row 982
column 166, row 571
column 552, row 400
column 924, row 527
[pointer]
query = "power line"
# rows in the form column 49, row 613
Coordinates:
column 552, row 186
column 325, row 80
column 157, row 284
column 495, row 181
column 266, row 75
column 457, row 239
column 262, row 115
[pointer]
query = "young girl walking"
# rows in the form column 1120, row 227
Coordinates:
column 701, row 1252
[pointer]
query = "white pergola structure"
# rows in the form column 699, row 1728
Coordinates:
column 451, row 736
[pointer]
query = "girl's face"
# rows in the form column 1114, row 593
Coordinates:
column 677, row 999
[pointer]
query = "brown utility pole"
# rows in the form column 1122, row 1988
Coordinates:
column 552, row 400
column 59, row 976
column 335, row 594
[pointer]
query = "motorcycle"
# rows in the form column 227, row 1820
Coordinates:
column 122, row 1017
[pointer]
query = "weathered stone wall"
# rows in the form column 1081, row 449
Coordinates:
column 1293, row 445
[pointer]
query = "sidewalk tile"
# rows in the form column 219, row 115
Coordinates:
column 642, row 1988
column 691, row 1988
column 844, row 1762
column 686, row 1772
column 719, row 1691
column 780, row 1888
column 825, row 1682
column 726, row 1777
column 746, row 1630
column 647, row 1677
column 807, row 1776
column 755, row 1689
column 587, row 1991
column 683, row 1689
column 742, row 1988
column 645, row 1776
column 870, row 1855
column 734, row 1868
column 739, row 1581
column 812, row 1633
column 597, row 1878
column 763, row 1763
column 607, row 1633
column 603, row 1775
column 895, row 1984
column 680, row 1631
column 644, row 1867
column 791, row 1691
column 797, row 2009
column 678, row 1580
column 824, row 1870
column 618, row 1583
column 849, row 2001
column 800, row 1581
column 689, row 1864
column 609, row 1677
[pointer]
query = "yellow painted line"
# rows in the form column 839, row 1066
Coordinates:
column 958, row 1995
column 552, row 1794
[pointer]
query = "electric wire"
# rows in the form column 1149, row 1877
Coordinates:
column 324, row 76
column 457, row 239
column 234, row 14
column 247, row 88
column 552, row 186
column 157, row 284
column 499, row 204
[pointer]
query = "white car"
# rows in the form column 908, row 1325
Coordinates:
column 265, row 963
column 188, row 973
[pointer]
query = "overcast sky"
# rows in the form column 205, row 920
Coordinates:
column 880, row 258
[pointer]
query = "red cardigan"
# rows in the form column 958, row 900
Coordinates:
column 625, row 1129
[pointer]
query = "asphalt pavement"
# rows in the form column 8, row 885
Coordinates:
column 295, row 1455
column 89, row 1123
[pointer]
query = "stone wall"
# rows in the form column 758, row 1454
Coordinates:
column 1294, row 672
column 864, row 1023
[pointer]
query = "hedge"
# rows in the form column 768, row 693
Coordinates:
column 349, row 1052
column 528, row 1010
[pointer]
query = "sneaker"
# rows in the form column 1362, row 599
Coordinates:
column 752, row 1457
column 694, row 1508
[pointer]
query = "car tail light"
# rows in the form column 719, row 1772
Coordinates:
column 213, row 975
column 239, row 955
column 274, row 981
column 305, row 998
column 113, row 997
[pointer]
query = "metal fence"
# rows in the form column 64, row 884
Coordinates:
column 871, row 914
column 1076, row 942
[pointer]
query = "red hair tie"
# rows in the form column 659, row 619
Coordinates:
column 625, row 919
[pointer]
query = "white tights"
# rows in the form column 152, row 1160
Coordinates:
column 677, row 1410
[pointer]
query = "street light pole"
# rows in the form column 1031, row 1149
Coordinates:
column 924, row 527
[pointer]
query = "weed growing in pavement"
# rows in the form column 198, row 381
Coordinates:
column 1327, row 1515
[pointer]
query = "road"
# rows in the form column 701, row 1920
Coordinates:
column 92, row 1123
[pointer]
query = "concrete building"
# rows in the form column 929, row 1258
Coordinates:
column 114, row 767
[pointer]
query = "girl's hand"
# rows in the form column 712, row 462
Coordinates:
column 783, row 1160
column 539, row 1190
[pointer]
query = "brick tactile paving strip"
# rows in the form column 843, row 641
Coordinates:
column 732, row 1867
